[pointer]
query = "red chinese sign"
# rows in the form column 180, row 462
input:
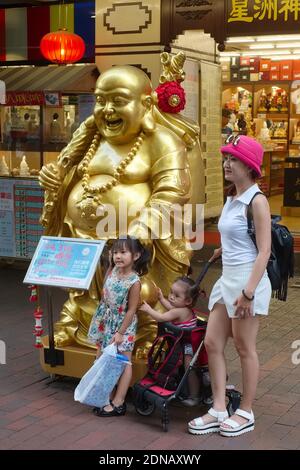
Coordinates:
column 31, row 98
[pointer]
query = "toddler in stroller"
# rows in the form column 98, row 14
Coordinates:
column 177, row 360
column 181, row 299
column 166, row 378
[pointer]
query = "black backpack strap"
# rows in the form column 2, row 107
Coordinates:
column 251, row 228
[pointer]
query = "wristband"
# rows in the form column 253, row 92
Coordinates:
column 246, row 296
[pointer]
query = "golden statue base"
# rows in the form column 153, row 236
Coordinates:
column 77, row 360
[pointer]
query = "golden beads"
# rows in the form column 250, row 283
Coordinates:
column 119, row 171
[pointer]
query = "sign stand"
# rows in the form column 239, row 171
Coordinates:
column 54, row 357
column 62, row 262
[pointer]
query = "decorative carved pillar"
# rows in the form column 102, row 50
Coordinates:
column 129, row 33
column 203, row 89
column 187, row 15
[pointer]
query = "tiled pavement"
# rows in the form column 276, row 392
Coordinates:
column 36, row 413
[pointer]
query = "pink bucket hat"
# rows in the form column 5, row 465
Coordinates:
column 246, row 149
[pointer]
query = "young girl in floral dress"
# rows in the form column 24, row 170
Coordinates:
column 115, row 319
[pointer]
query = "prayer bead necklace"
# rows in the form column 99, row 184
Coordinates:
column 90, row 198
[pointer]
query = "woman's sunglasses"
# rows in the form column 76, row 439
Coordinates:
column 233, row 139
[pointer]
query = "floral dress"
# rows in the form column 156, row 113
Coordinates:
column 111, row 311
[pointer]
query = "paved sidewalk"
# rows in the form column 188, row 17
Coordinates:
column 36, row 413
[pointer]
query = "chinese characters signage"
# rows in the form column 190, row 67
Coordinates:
column 248, row 11
column 21, row 204
column 64, row 262
column 30, row 98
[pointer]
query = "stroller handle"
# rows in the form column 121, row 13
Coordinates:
column 170, row 327
column 205, row 269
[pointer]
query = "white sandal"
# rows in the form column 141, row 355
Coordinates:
column 205, row 428
column 237, row 429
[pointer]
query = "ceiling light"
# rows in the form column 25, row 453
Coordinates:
column 229, row 54
column 286, row 57
column 287, row 44
column 260, row 46
column 240, row 39
column 288, row 37
column 264, row 53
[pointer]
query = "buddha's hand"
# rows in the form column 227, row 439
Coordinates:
column 50, row 177
column 141, row 232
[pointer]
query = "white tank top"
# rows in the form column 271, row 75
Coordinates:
column 237, row 246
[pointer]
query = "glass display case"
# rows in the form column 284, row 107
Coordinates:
column 32, row 136
column 271, row 116
column 236, row 109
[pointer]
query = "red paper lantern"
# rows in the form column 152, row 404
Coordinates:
column 62, row 47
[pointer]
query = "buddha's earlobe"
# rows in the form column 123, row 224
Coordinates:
column 148, row 122
column 148, row 102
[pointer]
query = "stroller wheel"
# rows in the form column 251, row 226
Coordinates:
column 146, row 409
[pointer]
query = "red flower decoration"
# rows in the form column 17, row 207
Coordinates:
column 101, row 327
column 171, row 97
column 120, row 309
column 130, row 339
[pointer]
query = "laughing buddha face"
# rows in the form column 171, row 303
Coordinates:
column 123, row 95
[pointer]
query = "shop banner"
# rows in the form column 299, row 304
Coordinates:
column 64, row 262
column 262, row 17
column 33, row 98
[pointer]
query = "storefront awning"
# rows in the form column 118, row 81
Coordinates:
column 69, row 78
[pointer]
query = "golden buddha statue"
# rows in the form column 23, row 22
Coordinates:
column 127, row 152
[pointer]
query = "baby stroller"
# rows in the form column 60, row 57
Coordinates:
column 166, row 379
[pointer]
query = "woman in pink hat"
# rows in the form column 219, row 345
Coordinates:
column 243, row 291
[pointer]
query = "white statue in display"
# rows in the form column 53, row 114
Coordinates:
column 24, row 168
column 296, row 100
column 75, row 124
column 245, row 102
column 33, row 126
column 4, row 170
column 7, row 127
column 68, row 127
column 296, row 138
column 264, row 134
column 55, row 130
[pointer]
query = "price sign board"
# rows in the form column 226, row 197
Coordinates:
column 64, row 262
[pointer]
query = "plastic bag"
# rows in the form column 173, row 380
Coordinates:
column 96, row 385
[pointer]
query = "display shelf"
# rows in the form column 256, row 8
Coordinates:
column 39, row 132
column 274, row 128
column 54, row 147
column 274, row 115
column 22, row 146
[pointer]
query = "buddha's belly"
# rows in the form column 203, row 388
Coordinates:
column 120, row 201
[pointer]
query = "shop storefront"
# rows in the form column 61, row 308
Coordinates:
column 44, row 106
column 261, row 91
